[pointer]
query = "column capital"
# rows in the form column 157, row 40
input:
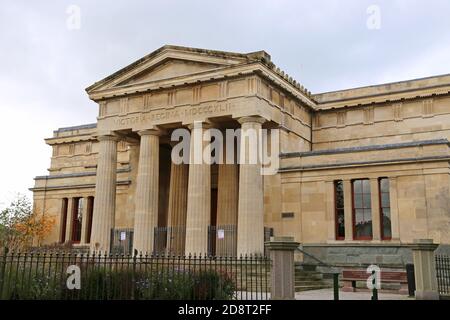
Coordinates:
column 108, row 137
column 252, row 119
column 151, row 132
column 424, row 245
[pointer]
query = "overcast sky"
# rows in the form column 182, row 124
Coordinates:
column 46, row 62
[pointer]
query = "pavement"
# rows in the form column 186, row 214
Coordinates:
column 327, row 294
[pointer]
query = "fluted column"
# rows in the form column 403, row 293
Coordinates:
column 105, row 194
column 177, row 208
column 147, row 187
column 198, row 216
column 250, row 238
column 69, row 220
column 227, row 206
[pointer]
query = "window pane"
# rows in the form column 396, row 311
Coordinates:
column 366, row 186
column 340, row 224
column 363, row 224
column 339, row 205
column 359, row 216
column 385, row 209
column 385, row 203
column 387, row 233
column 339, row 194
column 357, row 186
column 367, row 203
column 384, row 185
column 358, row 201
column 362, row 205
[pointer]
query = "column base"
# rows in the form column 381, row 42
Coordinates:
column 427, row 295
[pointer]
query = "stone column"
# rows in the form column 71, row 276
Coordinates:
column 198, row 216
column 147, row 187
column 177, row 208
column 375, row 204
column 348, row 210
column 69, row 220
column 393, row 199
column 425, row 269
column 227, row 207
column 105, row 194
column 250, row 239
column 282, row 251
column 134, row 165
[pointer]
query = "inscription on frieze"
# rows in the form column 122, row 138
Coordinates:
column 178, row 114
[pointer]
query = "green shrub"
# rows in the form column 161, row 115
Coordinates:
column 100, row 283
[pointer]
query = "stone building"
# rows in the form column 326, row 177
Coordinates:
column 362, row 172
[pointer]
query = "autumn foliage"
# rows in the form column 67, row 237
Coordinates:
column 21, row 226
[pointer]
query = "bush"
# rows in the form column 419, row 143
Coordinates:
column 106, row 284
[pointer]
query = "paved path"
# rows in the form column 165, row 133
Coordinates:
column 327, row 294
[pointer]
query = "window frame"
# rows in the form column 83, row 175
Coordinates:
column 383, row 237
column 336, row 224
column 75, row 221
column 364, row 238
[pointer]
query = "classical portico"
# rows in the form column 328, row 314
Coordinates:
column 239, row 192
column 174, row 88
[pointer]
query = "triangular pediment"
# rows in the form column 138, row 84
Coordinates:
column 172, row 68
column 170, row 62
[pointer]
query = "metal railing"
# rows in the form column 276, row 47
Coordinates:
column 443, row 274
column 68, row 276
column 222, row 240
column 332, row 268
column 122, row 241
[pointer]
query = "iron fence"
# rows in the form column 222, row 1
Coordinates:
column 69, row 276
column 443, row 274
column 222, row 240
column 122, row 241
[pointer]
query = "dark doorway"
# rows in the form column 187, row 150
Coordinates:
column 77, row 219
column 63, row 221
column 213, row 223
column 90, row 212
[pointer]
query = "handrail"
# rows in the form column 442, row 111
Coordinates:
column 333, row 269
column 321, row 263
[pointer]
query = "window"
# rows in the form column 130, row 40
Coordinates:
column 63, row 221
column 339, row 209
column 385, row 209
column 362, row 210
column 77, row 216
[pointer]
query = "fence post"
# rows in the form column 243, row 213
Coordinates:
column 425, row 269
column 2, row 271
column 336, row 286
column 282, row 274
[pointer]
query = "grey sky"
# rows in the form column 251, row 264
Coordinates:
column 326, row 45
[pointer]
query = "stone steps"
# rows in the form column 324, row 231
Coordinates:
column 311, row 287
column 306, row 280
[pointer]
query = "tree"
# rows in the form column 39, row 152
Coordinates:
column 20, row 225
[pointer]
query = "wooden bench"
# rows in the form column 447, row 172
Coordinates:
column 350, row 276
